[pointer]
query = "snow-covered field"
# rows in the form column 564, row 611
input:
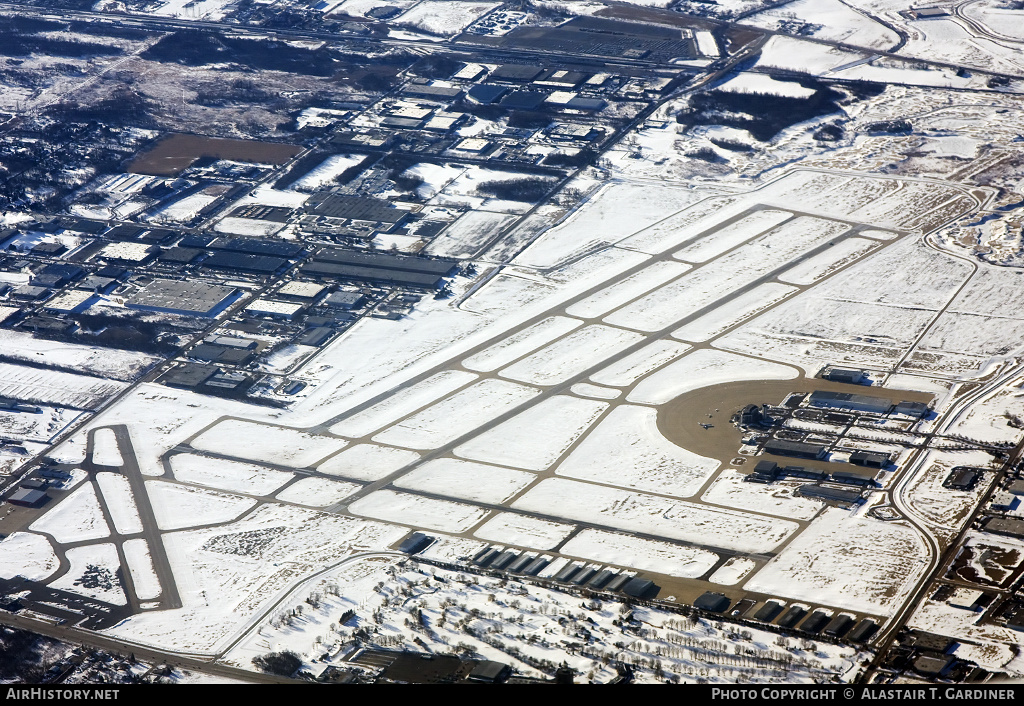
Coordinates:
column 730, row 490
column 571, row 355
column 645, row 554
column 55, row 388
column 700, row 288
column 654, row 515
column 327, row 171
column 232, row 476
column 616, row 212
column 467, row 236
column 739, row 309
column 466, row 480
column 524, row 531
column 26, row 554
column 178, row 506
column 401, row 403
column 105, row 448
column 758, row 83
column 536, row 438
column 628, row 289
column 626, row 449
column 38, row 427
column 456, row 415
column 519, row 344
column 832, row 20
column 730, row 236
column 117, row 496
column 226, row 574
column 93, row 573
column 269, row 444
column 317, row 492
column 75, row 357
column 940, row 507
column 732, row 571
column 849, row 562
column 704, row 368
column 444, row 18
column 815, row 268
column 367, row 461
column 634, row 366
column 140, row 565
column 418, row 511
column 76, row 518
column 184, row 209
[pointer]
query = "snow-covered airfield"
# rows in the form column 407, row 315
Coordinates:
column 528, row 412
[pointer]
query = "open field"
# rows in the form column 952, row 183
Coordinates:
column 175, row 153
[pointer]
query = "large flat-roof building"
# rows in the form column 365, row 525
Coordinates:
column 27, row 497
column 188, row 298
column 779, row 447
column 851, row 377
column 277, row 309
column 128, row 253
column 849, row 402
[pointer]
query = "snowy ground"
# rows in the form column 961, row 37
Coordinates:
column 510, row 528
column 76, row 518
column 730, row 490
column 849, row 562
column 627, row 449
column 444, row 18
column 704, row 368
column 140, row 565
column 232, row 476
column 93, row 573
column 317, row 492
column 535, row 439
column 74, row 357
column 260, row 442
column 466, row 480
column 520, row 344
column 441, row 515
column 326, row 172
column 644, row 554
column 226, row 574
column 26, row 554
column 456, row 415
column 650, row 514
column 367, row 461
column 401, row 404
column 117, row 496
column 178, row 506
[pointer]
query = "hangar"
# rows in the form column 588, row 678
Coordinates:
column 779, row 447
column 849, row 401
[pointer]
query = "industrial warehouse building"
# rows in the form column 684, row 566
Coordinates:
column 868, row 459
column 796, row 449
column 848, row 401
column 186, row 298
column 381, row 267
column 851, row 377
column 27, row 497
column 865, row 403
